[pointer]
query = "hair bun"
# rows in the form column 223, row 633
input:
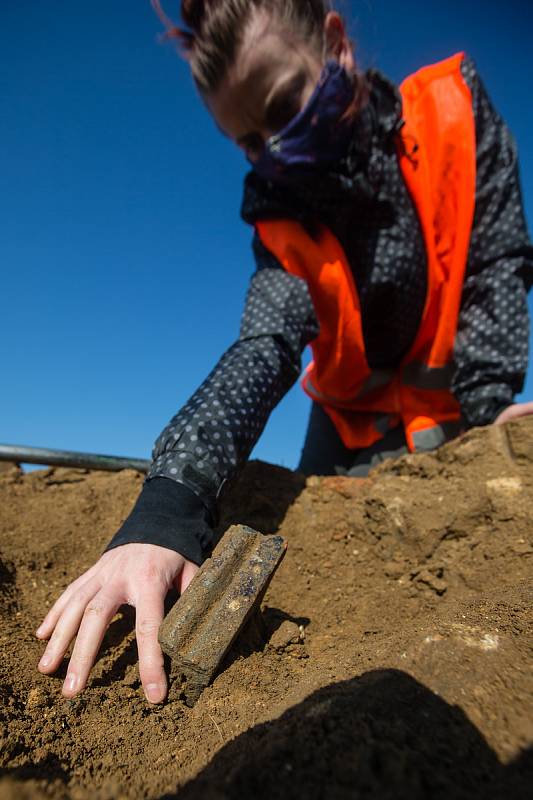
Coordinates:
column 193, row 12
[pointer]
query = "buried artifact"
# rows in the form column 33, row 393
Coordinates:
column 224, row 595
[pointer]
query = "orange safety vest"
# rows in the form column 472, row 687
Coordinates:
column 441, row 176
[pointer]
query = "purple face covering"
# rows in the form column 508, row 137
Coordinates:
column 315, row 138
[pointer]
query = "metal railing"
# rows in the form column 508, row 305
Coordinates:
column 66, row 458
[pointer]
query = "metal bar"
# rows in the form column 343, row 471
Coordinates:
column 66, row 458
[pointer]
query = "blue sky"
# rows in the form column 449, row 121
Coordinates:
column 124, row 261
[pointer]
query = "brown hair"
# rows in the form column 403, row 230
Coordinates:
column 214, row 29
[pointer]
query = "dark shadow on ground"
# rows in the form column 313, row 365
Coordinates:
column 49, row 769
column 382, row 736
column 260, row 498
column 257, row 633
column 274, row 617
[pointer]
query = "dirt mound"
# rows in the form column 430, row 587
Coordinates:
column 400, row 658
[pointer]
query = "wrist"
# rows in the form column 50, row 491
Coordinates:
column 170, row 515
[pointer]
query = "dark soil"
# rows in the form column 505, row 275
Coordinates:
column 400, row 663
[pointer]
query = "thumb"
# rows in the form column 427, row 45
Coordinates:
column 187, row 574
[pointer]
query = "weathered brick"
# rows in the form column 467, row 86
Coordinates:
column 201, row 627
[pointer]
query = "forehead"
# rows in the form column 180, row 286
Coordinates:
column 268, row 55
column 266, row 43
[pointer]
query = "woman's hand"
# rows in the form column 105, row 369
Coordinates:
column 514, row 411
column 137, row 574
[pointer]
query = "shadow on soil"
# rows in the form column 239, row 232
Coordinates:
column 258, row 632
column 260, row 498
column 49, row 769
column 382, row 736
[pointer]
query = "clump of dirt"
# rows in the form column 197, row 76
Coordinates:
column 400, row 656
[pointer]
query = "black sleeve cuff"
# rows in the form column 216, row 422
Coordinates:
column 170, row 515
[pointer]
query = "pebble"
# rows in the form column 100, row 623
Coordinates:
column 288, row 633
column 37, row 698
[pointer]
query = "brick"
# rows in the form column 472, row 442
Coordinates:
column 201, row 627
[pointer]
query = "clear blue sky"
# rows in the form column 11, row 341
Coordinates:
column 124, row 261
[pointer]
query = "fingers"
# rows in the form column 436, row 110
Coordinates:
column 95, row 621
column 63, row 624
column 83, row 584
column 150, row 611
column 514, row 412
column 187, row 574
column 522, row 410
column 138, row 574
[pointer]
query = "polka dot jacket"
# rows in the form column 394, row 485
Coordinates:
column 368, row 207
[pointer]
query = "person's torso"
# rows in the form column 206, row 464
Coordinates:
column 369, row 209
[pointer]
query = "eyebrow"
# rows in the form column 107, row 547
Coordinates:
column 284, row 93
column 281, row 94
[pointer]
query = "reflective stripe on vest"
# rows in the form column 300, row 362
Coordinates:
column 430, row 438
column 363, row 403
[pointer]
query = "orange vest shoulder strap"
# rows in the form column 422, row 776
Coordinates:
column 441, row 177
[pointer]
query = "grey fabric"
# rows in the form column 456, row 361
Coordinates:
column 324, row 452
column 431, row 438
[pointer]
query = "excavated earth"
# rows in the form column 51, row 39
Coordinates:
column 400, row 655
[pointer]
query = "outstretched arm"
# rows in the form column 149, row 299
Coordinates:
column 491, row 351
column 211, row 437
column 169, row 532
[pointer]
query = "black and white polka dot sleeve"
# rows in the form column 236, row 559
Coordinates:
column 491, row 352
column 214, row 433
column 211, row 437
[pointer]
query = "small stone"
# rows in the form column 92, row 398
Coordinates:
column 508, row 487
column 37, row 698
column 73, row 705
column 432, row 581
column 393, row 569
column 522, row 548
column 287, row 634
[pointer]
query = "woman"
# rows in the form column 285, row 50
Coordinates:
column 389, row 232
